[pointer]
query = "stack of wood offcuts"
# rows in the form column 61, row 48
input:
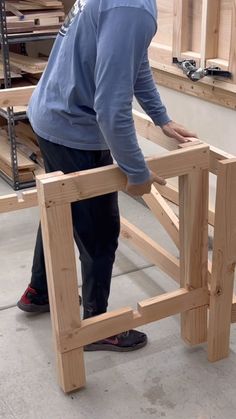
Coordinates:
column 34, row 16
column 29, row 157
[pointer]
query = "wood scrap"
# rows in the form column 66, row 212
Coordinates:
column 29, row 5
column 45, row 3
column 5, row 154
column 14, row 10
column 47, row 21
column 26, row 167
column 27, row 64
column 28, row 16
column 13, row 73
column 24, row 175
column 20, row 26
column 26, row 136
column 25, row 130
column 32, row 15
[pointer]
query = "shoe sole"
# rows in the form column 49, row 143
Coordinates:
column 37, row 308
column 33, row 308
column 112, row 348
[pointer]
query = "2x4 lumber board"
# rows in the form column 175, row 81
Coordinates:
column 10, row 202
column 215, row 156
column 232, row 58
column 90, row 183
column 13, row 74
column 34, row 15
column 163, row 213
column 15, row 96
column 161, row 53
column 224, row 260
column 218, row 92
column 147, row 129
column 225, row 28
column 62, row 286
column 169, row 192
column 27, row 64
column 21, row 200
column 25, row 175
column 21, row 5
column 181, row 25
column 46, row 3
column 113, row 322
column 5, row 154
column 178, row 302
column 175, row 71
column 150, row 249
column 164, row 34
column 210, row 30
column 193, row 211
column 14, row 202
column 96, row 328
column 218, row 62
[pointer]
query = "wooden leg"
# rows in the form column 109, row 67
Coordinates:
column 62, row 286
column 223, row 266
column 193, row 250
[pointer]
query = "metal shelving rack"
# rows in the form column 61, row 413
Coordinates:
column 9, row 114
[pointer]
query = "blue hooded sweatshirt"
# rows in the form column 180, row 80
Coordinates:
column 97, row 65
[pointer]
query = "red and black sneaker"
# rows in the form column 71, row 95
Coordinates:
column 33, row 301
column 123, row 342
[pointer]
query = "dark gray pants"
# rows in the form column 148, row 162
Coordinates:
column 96, row 225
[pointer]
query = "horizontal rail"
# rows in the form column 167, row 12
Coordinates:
column 150, row 310
column 16, row 201
column 146, row 128
column 89, row 183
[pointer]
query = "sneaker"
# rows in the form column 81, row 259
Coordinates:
column 34, row 302
column 123, row 342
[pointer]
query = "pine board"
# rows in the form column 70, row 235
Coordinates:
column 27, row 64
column 5, row 154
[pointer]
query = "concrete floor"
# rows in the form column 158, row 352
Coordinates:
column 166, row 379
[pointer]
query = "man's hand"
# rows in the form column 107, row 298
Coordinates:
column 174, row 130
column 144, row 188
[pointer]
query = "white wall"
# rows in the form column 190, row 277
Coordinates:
column 213, row 123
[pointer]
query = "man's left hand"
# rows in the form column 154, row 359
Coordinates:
column 174, row 130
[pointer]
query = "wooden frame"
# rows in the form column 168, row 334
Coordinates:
column 200, row 284
column 56, row 193
column 203, row 30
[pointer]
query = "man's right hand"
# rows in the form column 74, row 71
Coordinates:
column 140, row 189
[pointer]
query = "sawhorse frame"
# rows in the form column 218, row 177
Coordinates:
column 202, row 285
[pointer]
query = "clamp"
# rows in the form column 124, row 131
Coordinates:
column 194, row 73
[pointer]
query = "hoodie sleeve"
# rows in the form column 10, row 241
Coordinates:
column 123, row 36
column 148, row 96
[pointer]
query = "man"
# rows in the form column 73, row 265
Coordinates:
column 81, row 110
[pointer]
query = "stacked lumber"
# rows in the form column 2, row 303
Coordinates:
column 14, row 75
column 25, row 16
column 25, row 64
column 28, row 153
